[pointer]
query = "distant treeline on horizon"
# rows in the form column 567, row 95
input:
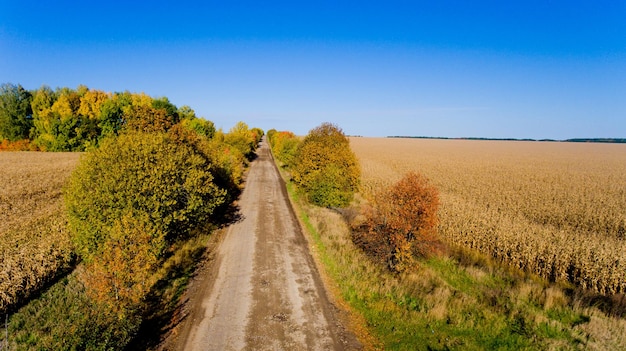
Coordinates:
column 574, row 140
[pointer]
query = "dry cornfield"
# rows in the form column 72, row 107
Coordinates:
column 34, row 241
column 555, row 209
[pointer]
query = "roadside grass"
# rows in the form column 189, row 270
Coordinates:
column 459, row 301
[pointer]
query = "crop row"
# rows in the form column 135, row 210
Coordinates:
column 34, row 241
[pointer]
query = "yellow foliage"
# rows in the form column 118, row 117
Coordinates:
column 90, row 103
column 325, row 167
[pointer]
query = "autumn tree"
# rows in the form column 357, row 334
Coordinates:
column 241, row 138
column 57, row 121
column 147, row 119
column 401, row 224
column 284, row 146
column 170, row 181
column 257, row 134
column 325, row 167
column 189, row 120
column 122, row 277
column 43, row 119
column 15, row 112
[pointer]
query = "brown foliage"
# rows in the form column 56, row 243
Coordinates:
column 402, row 224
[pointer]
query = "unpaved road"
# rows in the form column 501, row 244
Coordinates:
column 263, row 291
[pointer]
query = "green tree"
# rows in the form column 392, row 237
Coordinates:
column 112, row 113
column 15, row 112
column 189, row 120
column 163, row 103
column 186, row 112
column 325, row 167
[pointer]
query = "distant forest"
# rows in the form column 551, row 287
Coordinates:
column 575, row 140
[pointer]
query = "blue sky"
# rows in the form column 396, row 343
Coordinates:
column 521, row 69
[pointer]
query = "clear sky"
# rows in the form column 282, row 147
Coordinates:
column 521, row 69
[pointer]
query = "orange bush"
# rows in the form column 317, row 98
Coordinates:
column 402, row 223
column 19, row 145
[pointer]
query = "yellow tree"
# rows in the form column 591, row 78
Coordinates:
column 326, row 168
column 241, row 138
column 91, row 102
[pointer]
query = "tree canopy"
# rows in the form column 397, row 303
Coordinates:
column 325, row 167
column 16, row 114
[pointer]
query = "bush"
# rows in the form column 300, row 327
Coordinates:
column 168, row 180
column 325, row 167
column 402, row 223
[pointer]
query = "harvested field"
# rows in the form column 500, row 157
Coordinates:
column 555, row 209
column 34, row 241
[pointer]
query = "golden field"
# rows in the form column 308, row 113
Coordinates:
column 34, row 242
column 554, row 209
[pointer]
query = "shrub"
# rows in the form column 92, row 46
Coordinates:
column 325, row 168
column 170, row 182
column 402, row 223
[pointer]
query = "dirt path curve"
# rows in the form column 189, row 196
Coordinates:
column 263, row 290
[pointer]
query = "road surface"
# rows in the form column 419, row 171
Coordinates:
column 262, row 290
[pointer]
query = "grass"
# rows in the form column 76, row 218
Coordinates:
column 452, row 302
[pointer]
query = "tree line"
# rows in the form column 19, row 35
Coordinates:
column 68, row 119
column 154, row 178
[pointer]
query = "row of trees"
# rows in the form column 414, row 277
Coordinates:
column 399, row 223
column 154, row 176
column 136, row 199
column 76, row 119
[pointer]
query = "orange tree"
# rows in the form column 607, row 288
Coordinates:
column 325, row 167
column 402, row 223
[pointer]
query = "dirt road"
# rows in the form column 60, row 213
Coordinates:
column 263, row 292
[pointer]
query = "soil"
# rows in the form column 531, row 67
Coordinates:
column 260, row 289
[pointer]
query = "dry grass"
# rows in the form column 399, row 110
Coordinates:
column 554, row 209
column 34, row 241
